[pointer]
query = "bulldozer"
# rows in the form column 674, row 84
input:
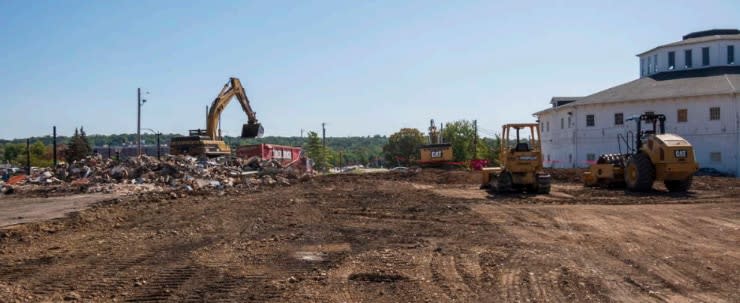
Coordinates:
column 651, row 155
column 209, row 142
column 521, row 163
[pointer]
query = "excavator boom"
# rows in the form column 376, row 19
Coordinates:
column 252, row 129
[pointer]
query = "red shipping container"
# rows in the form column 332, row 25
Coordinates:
column 285, row 154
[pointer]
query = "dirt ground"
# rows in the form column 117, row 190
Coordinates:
column 430, row 237
column 17, row 210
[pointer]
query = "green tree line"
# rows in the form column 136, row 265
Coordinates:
column 401, row 147
column 339, row 150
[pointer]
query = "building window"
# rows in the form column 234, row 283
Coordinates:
column 730, row 54
column 548, row 126
column 704, row 56
column 683, row 115
column 649, row 64
column 562, row 123
column 715, row 157
column 569, row 122
column 590, row 157
column 570, row 158
column 618, row 119
column 655, row 63
column 590, row 120
column 548, row 157
column 714, row 113
column 687, row 58
column 671, row 60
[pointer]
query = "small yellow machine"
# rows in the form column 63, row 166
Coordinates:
column 209, row 142
column 521, row 163
column 655, row 156
column 437, row 153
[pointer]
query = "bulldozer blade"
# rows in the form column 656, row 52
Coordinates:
column 252, row 130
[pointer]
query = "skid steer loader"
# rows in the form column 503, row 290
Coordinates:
column 652, row 155
column 521, row 163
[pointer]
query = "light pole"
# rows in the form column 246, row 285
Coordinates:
column 139, row 103
column 158, row 146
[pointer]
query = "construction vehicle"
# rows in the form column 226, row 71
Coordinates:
column 521, row 162
column 436, row 153
column 209, row 142
column 650, row 156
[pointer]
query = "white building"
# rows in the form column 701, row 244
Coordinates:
column 693, row 82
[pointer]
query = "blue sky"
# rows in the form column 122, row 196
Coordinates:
column 363, row 67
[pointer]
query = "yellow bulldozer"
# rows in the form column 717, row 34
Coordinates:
column 652, row 155
column 209, row 142
column 521, row 163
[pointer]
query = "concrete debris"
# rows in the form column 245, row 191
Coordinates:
column 144, row 173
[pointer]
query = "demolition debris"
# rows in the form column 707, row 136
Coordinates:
column 143, row 174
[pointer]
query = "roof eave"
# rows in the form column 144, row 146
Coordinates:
column 715, row 38
column 635, row 100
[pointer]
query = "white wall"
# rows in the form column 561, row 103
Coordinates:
column 717, row 55
column 569, row 147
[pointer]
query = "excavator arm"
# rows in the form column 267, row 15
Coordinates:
column 253, row 129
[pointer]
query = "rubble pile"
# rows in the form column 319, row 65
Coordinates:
column 145, row 173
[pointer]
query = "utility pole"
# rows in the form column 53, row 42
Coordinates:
column 475, row 139
column 54, row 146
column 28, row 156
column 300, row 141
column 158, row 148
column 323, row 134
column 138, row 120
column 139, row 103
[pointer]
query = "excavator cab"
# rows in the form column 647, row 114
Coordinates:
column 253, row 130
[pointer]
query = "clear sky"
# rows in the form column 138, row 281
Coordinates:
column 363, row 67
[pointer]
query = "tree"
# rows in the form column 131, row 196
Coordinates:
column 40, row 155
column 316, row 151
column 78, row 148
column 12, row 151
column 461, row 134
column 403, row 146
column 493, row 148
column 38, row 149
column 83, row 137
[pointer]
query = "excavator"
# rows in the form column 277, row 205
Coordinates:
column 209, row 142
column 436, row 153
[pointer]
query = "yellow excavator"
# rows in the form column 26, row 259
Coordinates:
column 436, row 153
column 652, row 156
column 209, row 142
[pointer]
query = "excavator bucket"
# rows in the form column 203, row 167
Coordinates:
column 252, row 130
